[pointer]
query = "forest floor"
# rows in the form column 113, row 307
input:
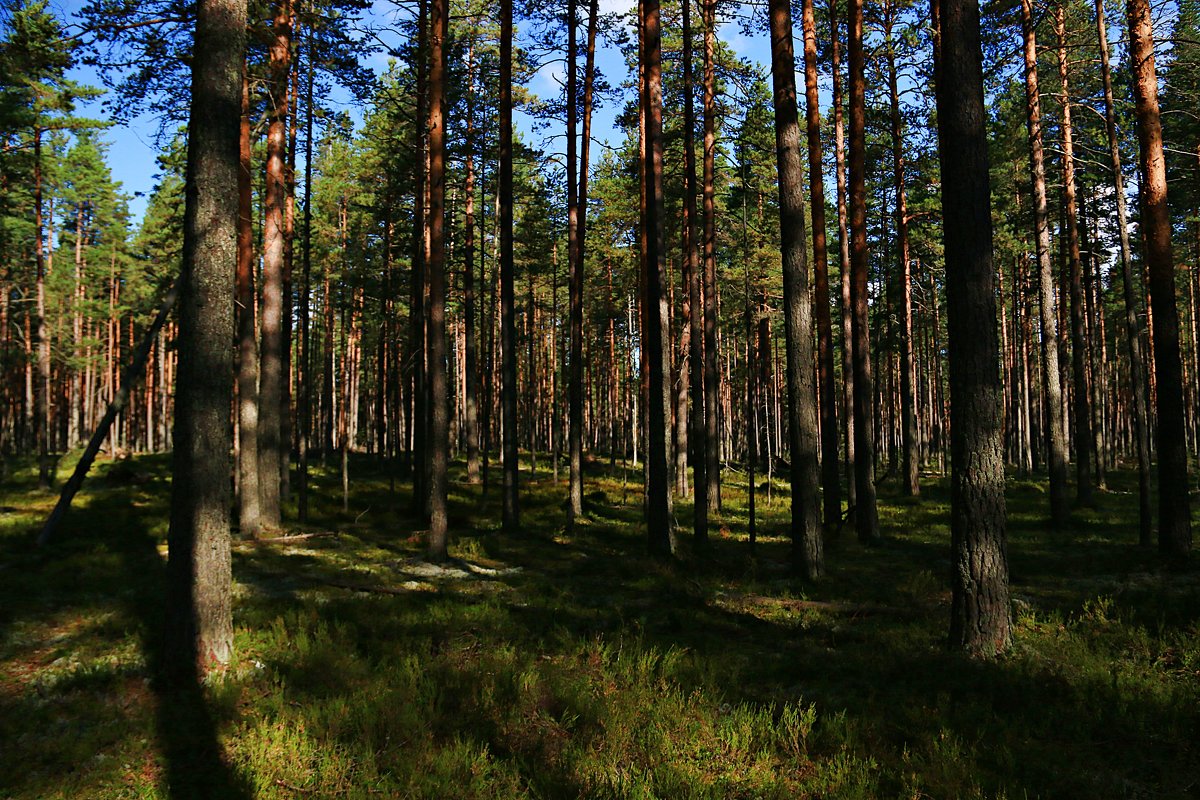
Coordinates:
column 559, row 664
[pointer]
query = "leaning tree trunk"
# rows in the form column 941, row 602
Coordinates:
column 199, row 633
column 831, row 488
column 1174, row 520
column 866, row 515
column 807, row 555
column 981, row 621
column 1056, row 438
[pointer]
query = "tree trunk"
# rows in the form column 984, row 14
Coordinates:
column 199, row 633
column 417, row 311
column 471, row 366
column 1133, row 324
column 831, row 488
column 270, row 441
column 1056, row 438
column 866, row 516
column 807, row 555
column 249, row 520
column 981, row 620
column 1079, row 343
column 508, row 333
column 1174, row 515
column 908, row 418
column 694, row 308
column 712, row 387
column 659, row 522
column 847, row 399
column 304, row 410
column 575, row 387
column 439, row 429
column 41, row 335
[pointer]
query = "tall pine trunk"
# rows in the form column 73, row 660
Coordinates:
column 866, row 515
column 1081, row 407
column 270, row 440
column 1133, row 305
column 199, row 633
column 839, row 145
column 575, row 385
column 831, row 488
column 439, row 397
column 981, row 620
column 1174, row 515
column 908, row 417
column 659, row 522
column 807, row 555
column 304, row 407
column 249, row 520
column 508, row 332
column 694, row 309
column 1056, row 437
column 471, row 400
column 712, row 386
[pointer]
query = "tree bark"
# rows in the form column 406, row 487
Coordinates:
column 439, row 429
column 807, row 555
column 575, row 387
column 249, row 520
column 1056, row 440
column 908, row 417
column 304, row 409
column 41, row 335
column 508, row 334
column 831, row 486
column 694, row 308
column 1174, row 515
column 659, row 522
column 712, row 386
column 847, row 398
column 866, row 516
column 1133, row 325
column 471, row 399
column 199, row 634
column 1082, row 416
column 981, row 620
column 270, row 442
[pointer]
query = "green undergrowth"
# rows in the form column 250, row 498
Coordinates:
column 568, row 664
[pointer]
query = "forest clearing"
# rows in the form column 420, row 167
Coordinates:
column 555, row 665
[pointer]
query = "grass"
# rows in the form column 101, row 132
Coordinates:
column 560, row 664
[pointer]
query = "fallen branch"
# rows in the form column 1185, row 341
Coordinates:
column 296, row 537
column 132, row 373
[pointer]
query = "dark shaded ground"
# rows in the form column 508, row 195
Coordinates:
column 561, row 666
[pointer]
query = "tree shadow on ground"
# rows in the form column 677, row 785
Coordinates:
column 105, row 565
